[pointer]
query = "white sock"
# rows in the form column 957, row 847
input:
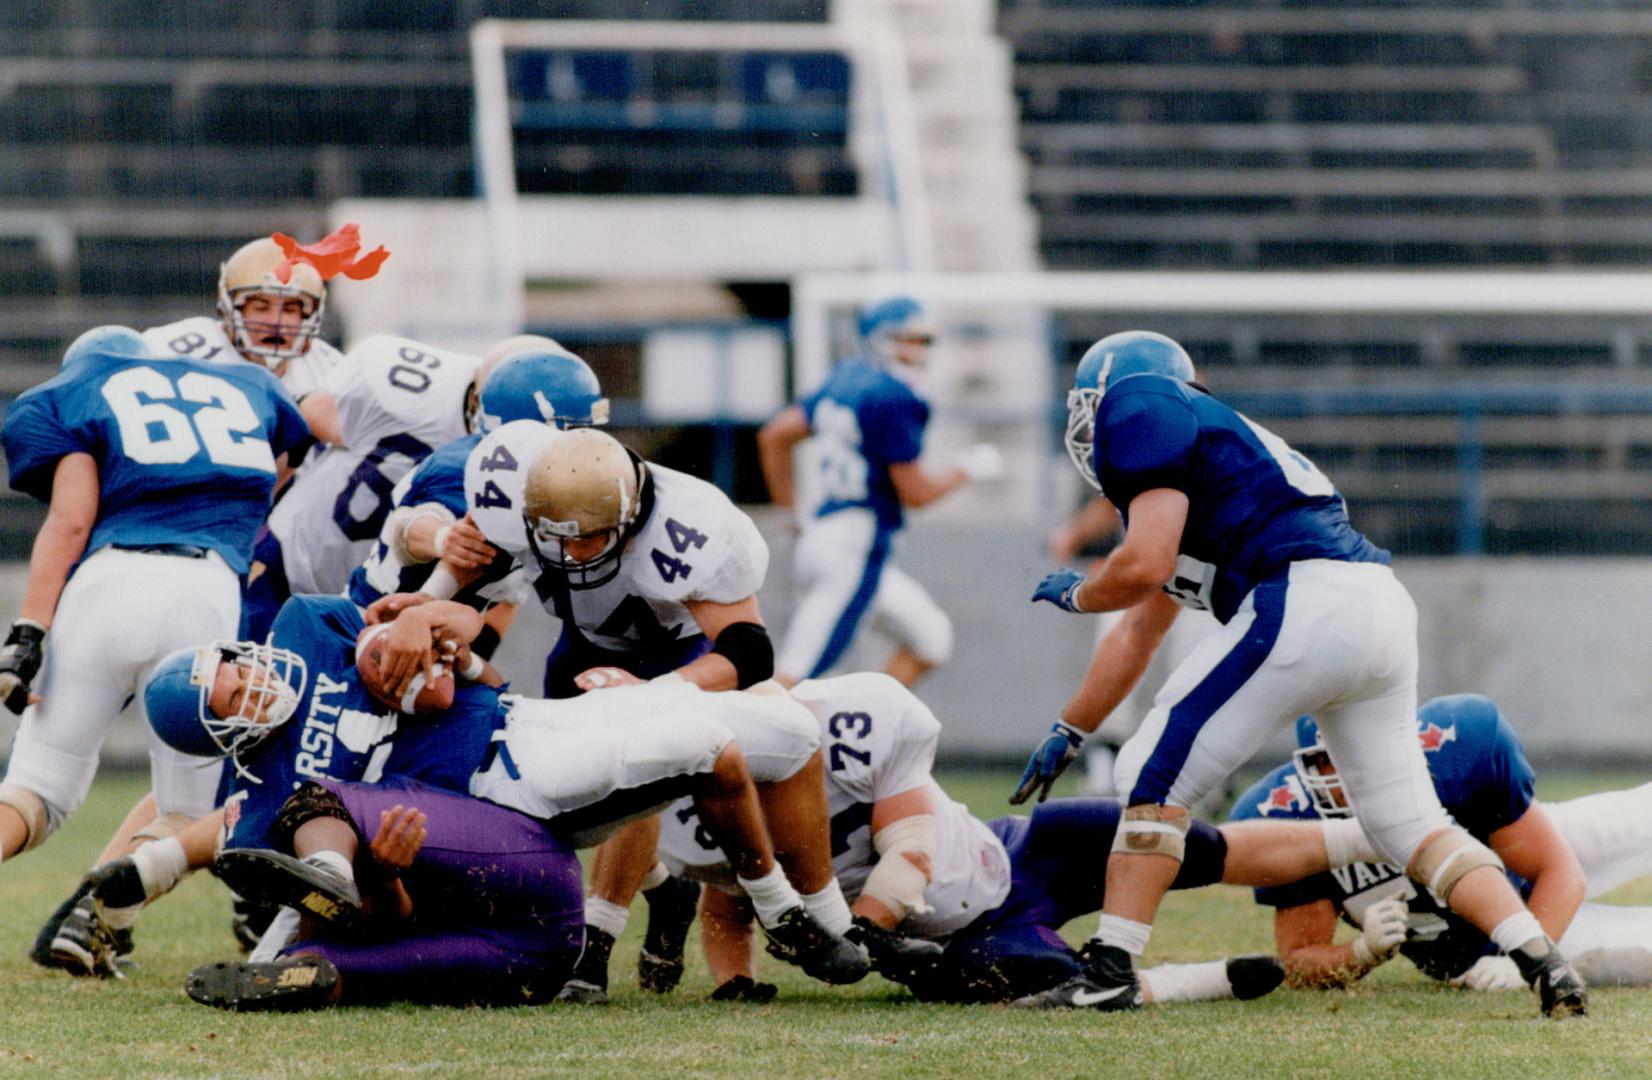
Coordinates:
column 1126, row 934
column 656, row 877
column 829, row 908
column 771, row 895
column 1346, row 843
column 1187, row 982
column 606, row 916
column 121, row 918
column 282, row 930
column 1517, row 930
column 333, row 861
column 161, row 865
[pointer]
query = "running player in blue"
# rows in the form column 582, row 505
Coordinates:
column 1558, row 855
column 158, row 472
column 862, row 473
column 1220, row 514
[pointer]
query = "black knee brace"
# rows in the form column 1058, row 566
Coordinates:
column 309, row 802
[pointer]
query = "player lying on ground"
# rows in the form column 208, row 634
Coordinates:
column 996, row 894
column 584, row 766
column 464, row 902
column 1557, row 854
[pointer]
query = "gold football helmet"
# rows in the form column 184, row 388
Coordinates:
column 581, row 500
column 251, row 271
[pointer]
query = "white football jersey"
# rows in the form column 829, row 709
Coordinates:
column 879, row 742
column 397, row 400
column 695, row 545
column 203, row 338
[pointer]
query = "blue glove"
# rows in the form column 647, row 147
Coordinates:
column 1060, row 587
column 1049, row 761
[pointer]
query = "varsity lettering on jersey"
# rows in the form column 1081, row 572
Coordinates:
column 864, row 420
column 203, row 338
column 341, row 732
column 878, row 741
column 1484, row 781
column 1254, row 505
column 438, row 480
column 185, row 449
column 397, row 400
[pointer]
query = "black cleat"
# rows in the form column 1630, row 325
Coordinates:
column 248, row 919
column 1560, row 989
column 588, row 985
column 671, row 908
column 305, row 982
column 309, row 888
column 1109, row 983
column 85, row 943
column 1254, row 976
column 577, row 991
column 799, row 940
column 909, row 961
column 41, row 951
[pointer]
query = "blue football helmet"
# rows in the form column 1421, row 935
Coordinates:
column 898, row 317
column 1115, row 357
column 541, row 382
column 177, row 699
column 1318, row 772
column 105, row 340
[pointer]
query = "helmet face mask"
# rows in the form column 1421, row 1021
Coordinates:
column 266, row 694
column 581, row 502
column 271, row 334
column 1321, row 782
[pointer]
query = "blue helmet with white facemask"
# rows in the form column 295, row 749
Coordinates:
column 1115, row 357
column 541, row 382
column 898, row 318
column 105, row 340
column 177, row 698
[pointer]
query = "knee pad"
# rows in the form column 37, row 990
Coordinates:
column 1145, row 830
column 1440, row 863
column 37, row 817
column 309, row 802
column 163, row 826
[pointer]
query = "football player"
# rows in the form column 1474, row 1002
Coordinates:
column 996, row 893
column 1560, row 854
column 157, row 471
column 653, row 575
column 867, row 424
column 1222, row 515
column 584, row 766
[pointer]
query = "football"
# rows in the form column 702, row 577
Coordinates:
column 424, row 695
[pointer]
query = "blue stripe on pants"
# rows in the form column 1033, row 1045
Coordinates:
column 1189, row 716
column 843, row 632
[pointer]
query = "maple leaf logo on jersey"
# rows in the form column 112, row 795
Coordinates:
column 1287, row 796
column 1434, row 736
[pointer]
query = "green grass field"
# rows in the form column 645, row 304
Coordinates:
column 1395, row 1024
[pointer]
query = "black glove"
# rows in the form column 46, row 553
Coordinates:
column 20, row 662
column 741, row 988
column 898, row 958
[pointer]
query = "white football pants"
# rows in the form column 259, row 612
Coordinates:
column 1611, row 833
column 120, row 613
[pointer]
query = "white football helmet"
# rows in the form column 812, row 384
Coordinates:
column 251, row 270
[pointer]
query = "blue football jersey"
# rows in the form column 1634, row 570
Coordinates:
column 439, row 478
column 185, row 449
column 341, row 732
column 864, row 420
column 1484, row 781
column 1254, row 505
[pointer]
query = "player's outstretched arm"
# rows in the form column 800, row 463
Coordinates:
column 1304, row 935
column 775, row 441
column 1534, row 848
column 741, row 654
column 1119, row 661
column 57, row 547
column 916, row 486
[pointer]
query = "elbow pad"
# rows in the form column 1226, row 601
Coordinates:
column 896, row 881
column 746, row 645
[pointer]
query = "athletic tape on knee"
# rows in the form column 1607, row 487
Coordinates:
column 1449, row 857
column 163, row 826
column 897, row 882
column 1145, row 830
column 37, row 819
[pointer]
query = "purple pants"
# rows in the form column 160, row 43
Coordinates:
column 498, row 907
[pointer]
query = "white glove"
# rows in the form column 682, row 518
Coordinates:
column 983, row 461
column 1491, row 974
column 1383, row 930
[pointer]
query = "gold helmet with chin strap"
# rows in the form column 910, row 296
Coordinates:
column 252, row 270
column 584, row 485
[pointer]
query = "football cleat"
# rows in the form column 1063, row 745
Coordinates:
column 898, row 958
column 799, row 940
column 41, row 951
column 1254, row 976
column 1109, row 984
column 1560, row 989
column 84, row 943
column 742, row 988
column 248, row 920
column 588, row 985
column 578, row 991
column 671, row 907
column 285, row 985
column 311, row 889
